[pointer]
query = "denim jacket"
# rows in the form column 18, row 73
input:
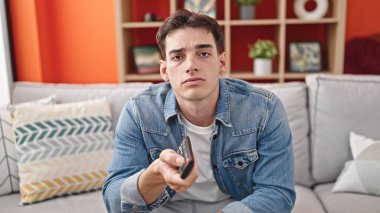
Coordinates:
column 251, row 148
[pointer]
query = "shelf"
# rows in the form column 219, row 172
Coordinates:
column 131, row 25
column 143, row 77
column 251, row 76
column 318, row 21
column 136, row 25
column 275, row 21
column 255, row 22
column 221, row 22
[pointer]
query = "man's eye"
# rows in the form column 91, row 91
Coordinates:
column 176, row 58
column 204, row 54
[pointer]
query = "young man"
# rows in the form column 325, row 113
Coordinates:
column 240, row 135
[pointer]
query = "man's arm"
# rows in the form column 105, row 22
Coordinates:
column 133, row 183
column 273, row 176
column 129, row 160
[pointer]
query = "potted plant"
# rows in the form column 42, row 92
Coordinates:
column 247, row 8
column 263, row 51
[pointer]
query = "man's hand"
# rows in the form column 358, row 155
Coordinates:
column 168, row 164
column 164, row 172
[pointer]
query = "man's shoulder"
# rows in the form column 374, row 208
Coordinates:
column 242, row 87
column 149, row 105
column 154, row 90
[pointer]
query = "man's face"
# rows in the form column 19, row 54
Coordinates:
column 192, row 65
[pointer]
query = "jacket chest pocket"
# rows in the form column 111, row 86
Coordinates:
column 241, row 159
column 239, row 167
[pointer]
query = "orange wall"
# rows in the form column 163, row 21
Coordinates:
column 74, row 41
column 362, row 18
column 25, row 40
column 67, row 41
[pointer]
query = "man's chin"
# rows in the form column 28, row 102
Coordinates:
column 196, row 96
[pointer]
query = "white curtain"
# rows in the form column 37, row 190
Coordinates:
column 6, row 78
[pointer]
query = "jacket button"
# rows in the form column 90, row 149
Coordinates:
column 214, row 137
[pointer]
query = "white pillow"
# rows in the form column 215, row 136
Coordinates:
column 361, row 175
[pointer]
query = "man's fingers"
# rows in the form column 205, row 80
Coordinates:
column 169, row 163
column 171, row 157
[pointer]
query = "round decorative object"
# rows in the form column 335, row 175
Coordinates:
column 319, row 11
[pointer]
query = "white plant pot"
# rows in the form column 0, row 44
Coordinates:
column 262, row 66
column 247, row 11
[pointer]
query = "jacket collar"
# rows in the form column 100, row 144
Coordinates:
column 223, row 108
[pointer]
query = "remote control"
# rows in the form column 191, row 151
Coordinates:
column 187, row 152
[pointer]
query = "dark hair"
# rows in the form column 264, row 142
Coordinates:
column 184, row 18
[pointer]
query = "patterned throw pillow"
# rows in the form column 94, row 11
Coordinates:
column 63, row 148
column 9, row 180
column 361, row 175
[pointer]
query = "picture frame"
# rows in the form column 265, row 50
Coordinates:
column 147, row 59
column 203, row 6
column 305, row 56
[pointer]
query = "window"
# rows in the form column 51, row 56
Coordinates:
column 6, row 78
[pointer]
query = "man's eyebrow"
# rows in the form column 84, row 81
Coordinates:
column 176, row 50
column 198, row 46
column 202, row 46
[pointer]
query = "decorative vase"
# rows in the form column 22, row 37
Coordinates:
column 262, row 66
column 247, row 11
column 318, row 12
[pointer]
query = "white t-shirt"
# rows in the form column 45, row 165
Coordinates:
column 204, row 188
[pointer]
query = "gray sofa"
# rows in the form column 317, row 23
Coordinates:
column 321, row 113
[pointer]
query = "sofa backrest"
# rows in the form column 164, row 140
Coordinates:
column 116, row 94
column 294, row 98
column 292, row 95
column 337, row 106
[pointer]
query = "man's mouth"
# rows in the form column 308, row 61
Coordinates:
column 193, row 80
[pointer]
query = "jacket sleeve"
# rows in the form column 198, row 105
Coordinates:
column 129, row 160
column 273, row 177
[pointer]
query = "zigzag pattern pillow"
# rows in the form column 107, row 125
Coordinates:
column 62, row 149
column 9, row 180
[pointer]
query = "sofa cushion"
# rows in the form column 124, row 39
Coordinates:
column 116, row 94
column 63, row 148
column 346, row 202
column 91, row 202
column 9, row 180
column 337, row 106
column 361, row 175
column 294, row 98
column 307, row 201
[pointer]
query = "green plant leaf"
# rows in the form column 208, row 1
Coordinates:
column 262, row 49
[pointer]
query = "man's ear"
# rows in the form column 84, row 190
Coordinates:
column 163, row 72
column 223, row 62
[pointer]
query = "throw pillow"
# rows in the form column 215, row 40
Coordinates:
column 362, row 174
column 9, row 180
column 63, row 148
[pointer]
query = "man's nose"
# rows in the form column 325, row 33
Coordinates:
column 191, row 64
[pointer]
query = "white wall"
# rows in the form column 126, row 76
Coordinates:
column 6, row 78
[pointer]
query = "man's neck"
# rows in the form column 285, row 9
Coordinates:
column 199, row 113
